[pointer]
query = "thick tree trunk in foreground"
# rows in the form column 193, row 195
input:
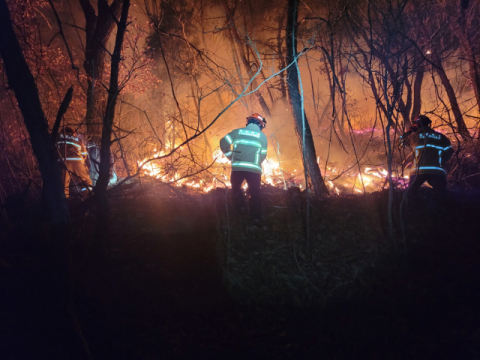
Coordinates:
column 20, row 79
column 302, row 127
column 60, row 339
column 105, row 158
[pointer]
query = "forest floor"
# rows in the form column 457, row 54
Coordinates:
column 183, row 280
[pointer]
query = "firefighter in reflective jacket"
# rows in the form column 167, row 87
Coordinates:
column 431, row 150
column 73, row 154
column 246, row 148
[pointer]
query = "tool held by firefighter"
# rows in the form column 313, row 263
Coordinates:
column 246, row 148
column 431, row 151
column 73, row 154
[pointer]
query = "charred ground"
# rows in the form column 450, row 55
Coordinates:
column 181, row 279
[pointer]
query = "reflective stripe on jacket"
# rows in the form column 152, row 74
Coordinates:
column 246, row 148
column 431, row 151
column 70, row 147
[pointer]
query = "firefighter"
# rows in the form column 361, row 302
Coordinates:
column 73, row 154
column 246, row 148
column 94, row 160
column 431, row 150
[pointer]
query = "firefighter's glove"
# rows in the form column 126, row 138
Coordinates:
column 402, row 141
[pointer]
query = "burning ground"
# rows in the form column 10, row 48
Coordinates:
column 184, row 278
column 341, row 177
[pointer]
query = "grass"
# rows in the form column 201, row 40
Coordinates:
column 182, row 280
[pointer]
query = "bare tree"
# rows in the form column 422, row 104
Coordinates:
column 105, row 154
column 61, row 332
column 98, row 27
column 302, row 127
column 437, row 44
column 238, row 43
column 417, row 92
column 463, row 20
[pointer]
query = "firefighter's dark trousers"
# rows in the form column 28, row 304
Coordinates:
column 253, row 181
column 437, row 182
column 76, row 172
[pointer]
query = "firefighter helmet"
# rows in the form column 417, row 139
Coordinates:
column 68, row 130
column 422, row 121
column 257, row 119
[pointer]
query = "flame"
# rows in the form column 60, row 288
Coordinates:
column 151, row 168
column 220, row 157
column 339, row 181
column 370, row 179
column 272, row 172
column 157, row 168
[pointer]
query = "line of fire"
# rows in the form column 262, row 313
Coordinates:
column 230, row 179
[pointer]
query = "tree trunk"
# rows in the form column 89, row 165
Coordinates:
column 461, row 29
column 105, row 156
column 281, row 58
column 208, row 152
column 61, row 112
column 23, row 84
column 473, row 67
column 302, row 127
column 417, row 93
column 474, row 70
column 59, row 333
column 97, row 31
column 457, row 113
column 409, row 95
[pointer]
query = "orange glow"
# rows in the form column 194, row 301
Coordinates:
column 371, row 179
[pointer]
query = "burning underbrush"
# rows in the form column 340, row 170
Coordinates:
column 340, row 178
column 345, row 171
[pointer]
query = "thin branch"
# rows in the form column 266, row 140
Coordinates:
column 61, row 111
column 63, row 35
